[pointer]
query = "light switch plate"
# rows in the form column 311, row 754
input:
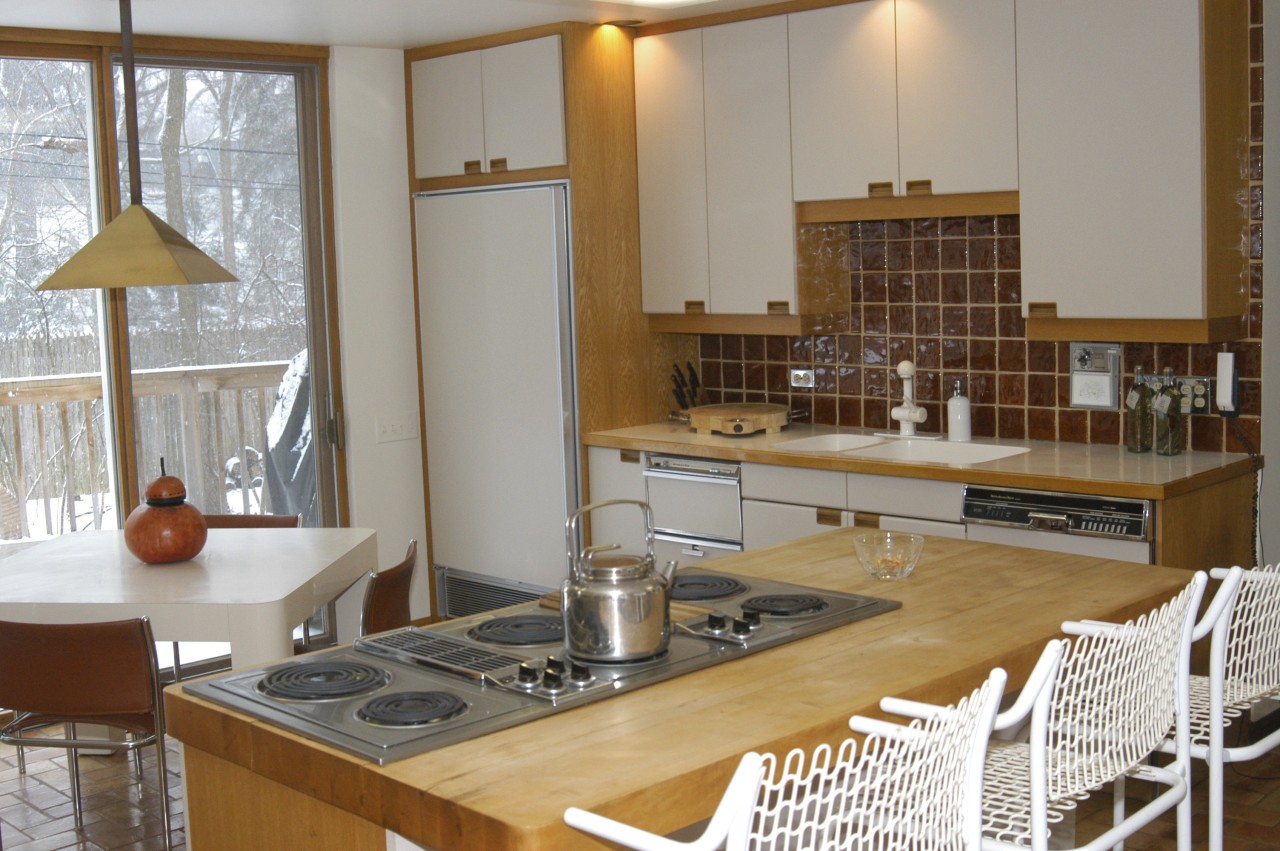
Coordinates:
column 1095, row 376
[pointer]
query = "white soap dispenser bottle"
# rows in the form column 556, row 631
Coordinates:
column 959, row 424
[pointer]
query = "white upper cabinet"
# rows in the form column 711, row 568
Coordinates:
column 750, row 219
column 671, row 160
column 717, row 229
column 1124, row 173
column 957, row 95
column 492, row 110
column 894, row 93
column 844, row 104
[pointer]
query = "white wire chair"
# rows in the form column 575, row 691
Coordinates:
column 1116, row 694
column 1244, row 669
column 914, row 787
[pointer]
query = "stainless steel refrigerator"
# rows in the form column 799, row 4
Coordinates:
column 495, row 301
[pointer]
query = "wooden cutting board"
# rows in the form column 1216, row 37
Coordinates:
column 739, row 418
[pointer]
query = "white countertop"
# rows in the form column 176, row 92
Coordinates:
column 1072, row 467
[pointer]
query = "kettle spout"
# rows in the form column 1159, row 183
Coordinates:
column 668, row 572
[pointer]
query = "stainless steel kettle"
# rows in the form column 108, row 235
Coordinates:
column 616, row 607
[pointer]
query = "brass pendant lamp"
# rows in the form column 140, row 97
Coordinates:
column 137, row 248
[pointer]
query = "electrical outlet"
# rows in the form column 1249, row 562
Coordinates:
column 802, row 378
column 1197, row 395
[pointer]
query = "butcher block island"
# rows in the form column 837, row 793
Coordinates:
column 661, row 755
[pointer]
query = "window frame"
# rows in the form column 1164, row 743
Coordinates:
column 310, row 63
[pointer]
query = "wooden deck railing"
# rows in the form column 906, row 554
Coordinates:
column 208, row 422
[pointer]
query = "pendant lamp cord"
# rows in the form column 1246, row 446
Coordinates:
column 130, row 103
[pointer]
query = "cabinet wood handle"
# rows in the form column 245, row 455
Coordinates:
column 919, row 187
column 866, row 518
column 1042, row 310
column 498, row 164
column 698, row 307
column 472, row 167
column 880, row 190
column 778, row 308
column 828, row 516
column 629, row 456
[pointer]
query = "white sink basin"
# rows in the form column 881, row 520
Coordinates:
column 937, row 451
column 828, row 443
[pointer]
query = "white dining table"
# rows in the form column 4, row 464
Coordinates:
column 248, row 587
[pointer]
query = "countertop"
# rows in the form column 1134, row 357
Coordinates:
column 660, row 756
column 1060, row 466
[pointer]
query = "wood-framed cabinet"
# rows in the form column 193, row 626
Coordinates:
column 1133, row 130
column 903, row 98
column 717, row 230
column 495, row 109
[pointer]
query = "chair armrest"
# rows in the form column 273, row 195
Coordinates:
column 883, row 729
column 1042, row 675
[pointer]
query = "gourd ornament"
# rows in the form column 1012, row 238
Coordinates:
column 166, row 528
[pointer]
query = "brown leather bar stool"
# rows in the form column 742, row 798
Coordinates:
column 386, row 597
column 91, row 673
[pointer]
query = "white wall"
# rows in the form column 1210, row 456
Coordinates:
column 375, row 310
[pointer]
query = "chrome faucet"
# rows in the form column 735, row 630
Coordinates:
column 908, row 413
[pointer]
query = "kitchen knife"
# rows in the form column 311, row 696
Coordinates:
column 679, row 393
column 693, row 383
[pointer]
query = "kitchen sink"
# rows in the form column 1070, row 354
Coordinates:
column 937, row 451
column 828, row 443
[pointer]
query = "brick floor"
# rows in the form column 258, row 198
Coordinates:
column 121, row 811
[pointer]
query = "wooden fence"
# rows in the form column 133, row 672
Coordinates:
column 209, row 423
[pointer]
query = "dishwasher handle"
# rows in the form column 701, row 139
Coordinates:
column 1048, row 522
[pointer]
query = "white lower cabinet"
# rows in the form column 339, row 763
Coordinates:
column 616, row 474
column 922, row 499
column 767, row 523
column 688, row 553
column 923, row 527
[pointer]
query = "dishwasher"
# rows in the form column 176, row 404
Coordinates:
column 1105, row 527
column 697, row 506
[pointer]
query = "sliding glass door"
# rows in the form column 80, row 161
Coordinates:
column 229, row 383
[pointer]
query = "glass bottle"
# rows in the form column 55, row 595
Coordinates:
column 1138, row 426
column 1167, row 406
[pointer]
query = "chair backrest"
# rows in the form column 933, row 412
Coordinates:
column 1249, row 635
column 916, row 786
column 1119, row 690
column 253, row 521
column 104, row 668
column 386, row 597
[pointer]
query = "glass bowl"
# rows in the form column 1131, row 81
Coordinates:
column 888, row 555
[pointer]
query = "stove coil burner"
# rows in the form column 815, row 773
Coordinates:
column 520, row 630
column 412, row 708
column 322, row 680
column 702, row 586
column 785, row 605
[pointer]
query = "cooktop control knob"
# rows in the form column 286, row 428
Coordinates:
column 741, row 628
column 552, row 681
column 555, row 665
column 527, row 674
column 751, row 616
column 579, row 674
column 716, row 622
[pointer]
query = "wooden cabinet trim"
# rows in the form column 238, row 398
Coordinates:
column 908, row 207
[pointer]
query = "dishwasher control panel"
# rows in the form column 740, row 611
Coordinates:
column 1066, row 513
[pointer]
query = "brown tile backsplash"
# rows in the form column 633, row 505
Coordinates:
column 946, row 294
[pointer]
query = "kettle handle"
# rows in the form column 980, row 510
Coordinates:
column 576, row 558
